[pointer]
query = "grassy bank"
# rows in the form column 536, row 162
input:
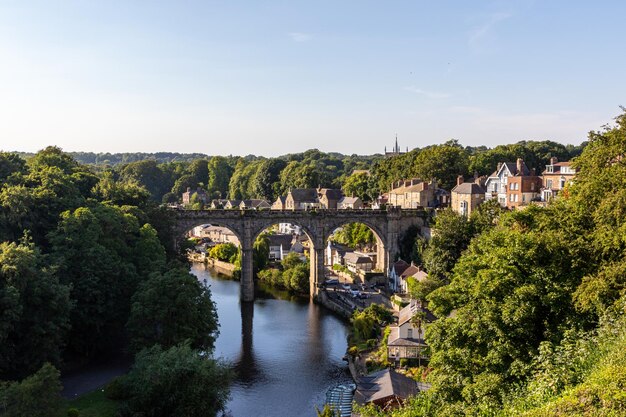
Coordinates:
column 93, row 404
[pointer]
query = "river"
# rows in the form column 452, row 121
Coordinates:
column 286, row 350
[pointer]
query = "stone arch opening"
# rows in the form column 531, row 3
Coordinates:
column 209, row 236
column 358, row 249
column 288, row 243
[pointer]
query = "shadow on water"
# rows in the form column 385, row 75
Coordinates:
column 286, row 350
column 245, row 365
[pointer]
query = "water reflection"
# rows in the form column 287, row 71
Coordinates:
column 245, row 366
column 285, row 350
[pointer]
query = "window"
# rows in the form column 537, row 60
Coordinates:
column 511, row 197
column 550, row 168
column 562, row 183
column 532, row 186
column 549, row 184
column 463, row 208
column 409, row 333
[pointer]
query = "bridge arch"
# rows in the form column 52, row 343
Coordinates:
column 379, row 236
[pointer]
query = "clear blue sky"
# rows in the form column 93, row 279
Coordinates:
column 272, row 77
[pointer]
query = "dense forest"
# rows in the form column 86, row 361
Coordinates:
column 86, row 271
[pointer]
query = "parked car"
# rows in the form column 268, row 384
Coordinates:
column 331, row 281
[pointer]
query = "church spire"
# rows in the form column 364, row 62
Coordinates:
column 397, row 148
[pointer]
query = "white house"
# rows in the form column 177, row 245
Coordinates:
column 406, row 340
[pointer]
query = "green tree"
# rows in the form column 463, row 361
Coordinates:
column 11, row 163
column 149, row 175
column 120, row 193
column 171, row 308
column 178, row 381
column 510, row 290
column 219, row 173
column 355, row 235
column 358, row 185
column 267, row 178
column 35, row 311
column 441, row 162
column 225, row 252
column 39, row 395
column 99, row 250
column 261, row 248
column 451, row 235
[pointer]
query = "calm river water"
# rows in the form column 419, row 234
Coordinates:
column 286, row 351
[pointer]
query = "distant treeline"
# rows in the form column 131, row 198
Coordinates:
column 367, row 177
column 92, row 158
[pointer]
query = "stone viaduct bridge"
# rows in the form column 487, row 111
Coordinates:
column 388, row 226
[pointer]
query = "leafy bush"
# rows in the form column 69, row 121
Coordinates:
column 225, row 252
column 178, row 381
column 73, row 412
column 39, row 395
column 115, row 390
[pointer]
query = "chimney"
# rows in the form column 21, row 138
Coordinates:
column 499, row 166
column 520, row 163
column 532, row 172
column 553, row 160
column 459, row 180
column 188, row 189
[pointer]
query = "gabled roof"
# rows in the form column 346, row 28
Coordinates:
column 254, row 203
column 400, row 266
column 415, row 188
column 355, row 258
column 349, row 200
column 468, row 188
column 330, row 193
column 512, row 168
column 281, row 240
column 384, row 384
column 409, row 311
column 304, row 195
column 342, row 249
column 413, row 271
column 394, row 339
column 557, row 169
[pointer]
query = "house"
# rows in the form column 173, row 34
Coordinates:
column 357, row 262
column 512, row 184
column 218, row 203
column 288, row 228
column 555, row 177
column 219, row 234
column 397, row 268
column 329, row 197
column 413, row 193
column 302, row 199
column 442, row 198
column 254, row 204
column 279, row 204
column 201, row 195
column 280, row 245
column 411, row 272
column 386, row 389
column 466, row 196
column 335, row 253
column 232, row 204
column 350, row 203
column 406, row 341
column 380, row 202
